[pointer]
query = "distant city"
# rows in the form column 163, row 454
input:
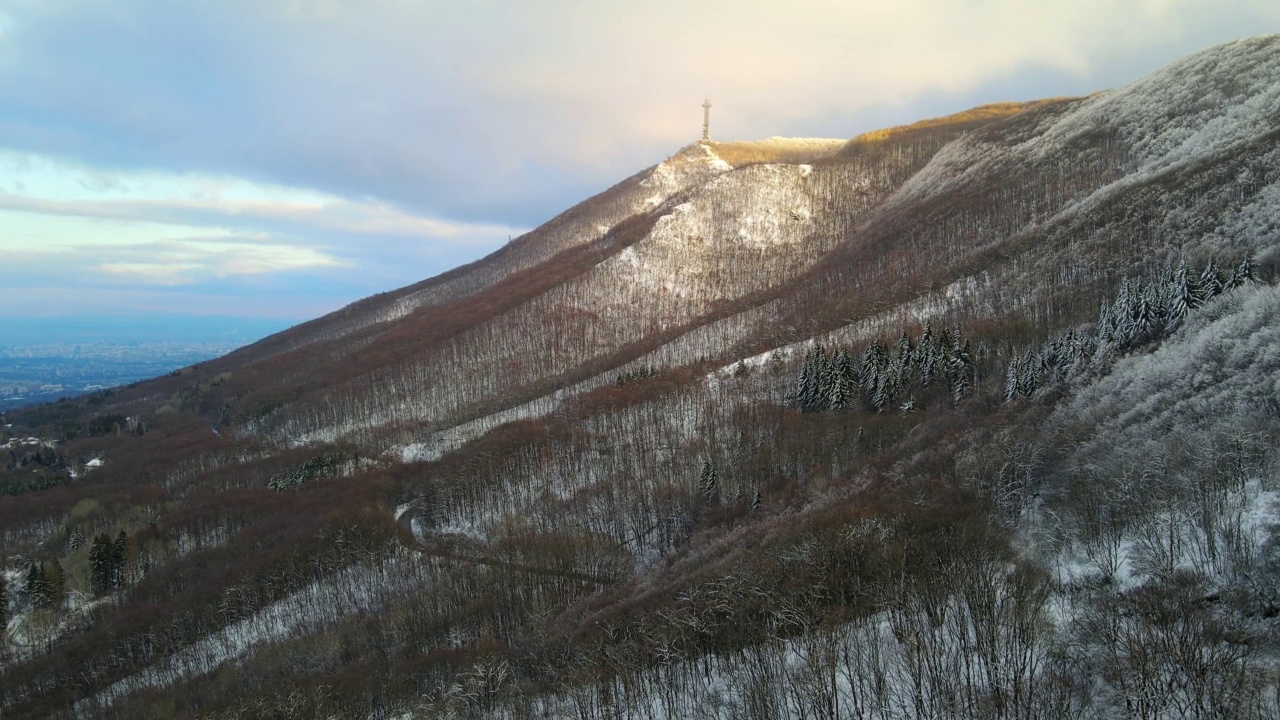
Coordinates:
column 44, row 359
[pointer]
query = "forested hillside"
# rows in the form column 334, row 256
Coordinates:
column 975, row 417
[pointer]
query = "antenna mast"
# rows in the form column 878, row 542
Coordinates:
column 706, row 120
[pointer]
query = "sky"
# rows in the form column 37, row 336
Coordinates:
column 280, row 158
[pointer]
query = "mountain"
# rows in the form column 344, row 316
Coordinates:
column 974, row 417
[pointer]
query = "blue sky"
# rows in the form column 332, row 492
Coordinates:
column 280, row 158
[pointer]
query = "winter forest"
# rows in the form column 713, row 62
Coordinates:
column 971, row 418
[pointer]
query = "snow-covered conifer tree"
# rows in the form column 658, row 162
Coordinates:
column 1210, row 280
column 826, row 379
column 119, row 549
column 961, row 370
column 100, row 565
column 1027, row 374
column 906, row 354
column 1178, row 301
column 842, row 376
column 4, row 604
column 709, row 483
column 1011, row 375
column 1195, row 291
column 1145, row 315
column 878, row 394
column 1242, row 274
column 804, row 380
column 927, row 357
column 38, row 590
column 75, row 538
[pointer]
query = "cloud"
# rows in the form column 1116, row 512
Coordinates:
column 397, row 139
column 186, row 261
column 102, row 230
column 52, row 187
column 505, row 112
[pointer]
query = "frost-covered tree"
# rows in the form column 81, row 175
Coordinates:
column 927, row 356
column 814, row 384
column 1028, row 375
column 1211, row 280
column 75, row 538
column 842, row 381
column 1243, row 274
column 4, row 606
column 1106, row 329
column 826, row 380
column 906, row 354
column 960, row 367
column 1011, row 375
column 1122, row 314
column 119, row 548
column 1178, row 299
column 803, row 380
column 709, row 483
column 874, row 359
column 101, row 565
column 1195, row 291
column 39, row 593
column 1146, row 313
column 879, row 394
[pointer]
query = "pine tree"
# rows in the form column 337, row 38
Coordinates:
column 755, row 501
column 893, row 381
column 1195, row 291
column 841, row 381
column 75, row 538
column 101, row 567
column 118, row 551
column 708, row 483
column 927, row 357
column 906, row 354
column 878, row 395
column 1144, row 315
column 1011, row 376
column 826, row 380
column 1123, row 330
column 4, row 606
column 38, row 590
column 1106, row 328
column 813, row 386
column 805, row 380
column 1243, row 274
column 1178, row 300
column 1027, row 375
column 961, row 369
column 1246, row 271
column 1210, row 280
column 869, row 367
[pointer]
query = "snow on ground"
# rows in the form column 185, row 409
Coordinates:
column 359, row 589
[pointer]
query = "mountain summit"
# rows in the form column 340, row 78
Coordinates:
column 971, row 417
